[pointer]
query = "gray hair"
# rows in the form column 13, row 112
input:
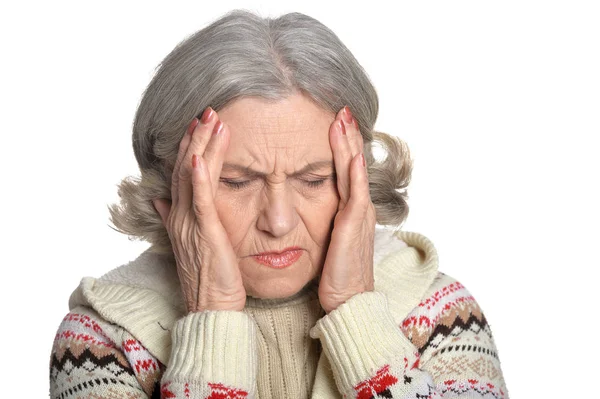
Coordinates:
column 243, row 54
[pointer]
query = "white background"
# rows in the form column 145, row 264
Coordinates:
column 499, row 103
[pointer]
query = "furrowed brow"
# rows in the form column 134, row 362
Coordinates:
column 310, row 167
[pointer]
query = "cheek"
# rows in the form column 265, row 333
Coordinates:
column 235, row 215
column 318, row 212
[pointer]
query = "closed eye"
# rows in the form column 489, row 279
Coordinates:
column 238, row 185
column 314, row 183
column 234, row 184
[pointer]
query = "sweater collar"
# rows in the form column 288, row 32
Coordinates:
column 144, row 296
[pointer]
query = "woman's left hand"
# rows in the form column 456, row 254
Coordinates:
column 348, row 268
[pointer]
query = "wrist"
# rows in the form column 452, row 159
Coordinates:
column 235, row 304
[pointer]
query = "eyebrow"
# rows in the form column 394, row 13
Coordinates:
column 310, row 167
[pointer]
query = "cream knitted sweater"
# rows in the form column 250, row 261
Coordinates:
column 420, row 334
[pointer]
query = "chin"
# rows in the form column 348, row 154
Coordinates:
column 279, row 288
column 273, row 290
column 265, row 283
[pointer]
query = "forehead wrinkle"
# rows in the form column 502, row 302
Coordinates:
column 277, row 152
column 277, row 134
column 281, row 122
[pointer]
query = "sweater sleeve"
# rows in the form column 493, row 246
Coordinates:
column 443, row 348
column 213, row 355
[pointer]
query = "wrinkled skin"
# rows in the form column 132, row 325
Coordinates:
column 215, row 226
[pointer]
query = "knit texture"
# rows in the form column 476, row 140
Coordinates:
column 288, row 354
column 420, row 334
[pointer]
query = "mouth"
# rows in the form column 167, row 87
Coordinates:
column 284, row 250
column 279, row 260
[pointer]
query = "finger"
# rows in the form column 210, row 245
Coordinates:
column 353, row 135
column 352, row 131
column 215, row 153
column 211, row 227
column 203, row 203
column 359, row 187
column 183, row 145
column 342, row 156
column 199, row 140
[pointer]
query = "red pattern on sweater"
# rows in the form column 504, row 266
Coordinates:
column 439, row 294
column 82, row 328
column 164, row 391
column 220, row 391
column 481, row 387
column 431, row 320
column 378, row 383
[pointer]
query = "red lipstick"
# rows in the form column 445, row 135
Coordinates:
column 279, row 260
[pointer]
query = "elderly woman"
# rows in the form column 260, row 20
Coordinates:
column 267, row 276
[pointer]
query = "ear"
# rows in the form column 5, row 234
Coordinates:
column 163, row 207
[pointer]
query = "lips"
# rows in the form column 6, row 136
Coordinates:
column 279, row 260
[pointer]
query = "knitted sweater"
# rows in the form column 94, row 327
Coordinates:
column 420, row 334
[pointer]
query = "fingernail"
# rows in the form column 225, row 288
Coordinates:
column 343, row 128
column 194, row 161
column 207, row 115
column 347, row 115
column 362, row 155
column 218, row 128
column 192, row 126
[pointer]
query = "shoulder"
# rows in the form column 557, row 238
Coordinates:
column 442, row 290
column 83, row 325
column 89, row 350
column 447, row 309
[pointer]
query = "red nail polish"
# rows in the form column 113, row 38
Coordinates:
column 363, row 159
column 347, row 115
column 194, row 161
column 343, row 127
column 207, row 115
column 192, row 126
column 218, row 128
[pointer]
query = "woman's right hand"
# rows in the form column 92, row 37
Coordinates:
column 206, row 262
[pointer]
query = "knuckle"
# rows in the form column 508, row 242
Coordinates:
column 200, row 211
column 198, row 204
column 204, row 216
column 198, row 179
column 184, row 173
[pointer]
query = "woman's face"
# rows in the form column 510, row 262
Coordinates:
column 278, row 208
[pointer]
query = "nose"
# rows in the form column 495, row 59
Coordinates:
column 278, row 214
